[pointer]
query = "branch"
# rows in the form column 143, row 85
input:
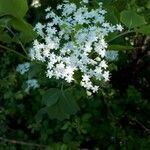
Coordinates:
column 140, row 124
column 17, row 40
column 15, row 52
column 21, row 142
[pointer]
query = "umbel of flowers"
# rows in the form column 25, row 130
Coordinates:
column 73, row 41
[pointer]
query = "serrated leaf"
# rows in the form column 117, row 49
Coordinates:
column 51, row 97
column 131, row 19
column 17, row 8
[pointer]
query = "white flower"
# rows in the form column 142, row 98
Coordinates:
column 119, row 27
column 106, row 75
column 23, row 68
column 31, row 84
column 85, row 78
column 103, row 64
column 95, row 89
column 39, row 29
column 85, row 1
column 111, row 55
column 36, row 3
column 74, row 41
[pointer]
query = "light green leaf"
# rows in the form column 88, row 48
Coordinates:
column 17, row 8
column 131, row 19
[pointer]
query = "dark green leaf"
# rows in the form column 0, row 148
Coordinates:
column 4, row 37
column 5, row 21
column 65, row 106
column 51, row 97
column 120, row 47
column 144, row 29
column 27, row 33
column 68, row 103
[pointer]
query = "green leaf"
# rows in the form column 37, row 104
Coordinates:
column 144, row 29
column 5, row 21
column 68, row 103
column 4, row 37
column 120, row 47
column 57, row 112
column 148, row 4
column 17, row 8
column 131, row 19
column 27, row 34
column 65, row 106
column 112, row 15
column 35, row 69
column 51, row 97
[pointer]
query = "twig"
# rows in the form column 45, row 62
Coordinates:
column 21, row 142
column 11, row 50
column 17, row 40
column 139, row 123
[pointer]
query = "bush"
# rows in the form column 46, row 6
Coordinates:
column 53, row 116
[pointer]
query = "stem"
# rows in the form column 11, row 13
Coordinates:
column 21, row 142
column 62, row 87
column 122, row 34
column 139, row 123
column 22, row 47
column 15, row 52
column 17, row 40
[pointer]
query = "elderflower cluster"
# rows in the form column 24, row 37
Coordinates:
column 31, row 84
column 74, row 42
column 111, row 55
column 23, row 68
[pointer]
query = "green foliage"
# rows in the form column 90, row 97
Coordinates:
column 12, row 19
column 58, row 116
column 144, row 29
column 51, row 97
column 132, row 19
column 16, row 8
column 59, row 104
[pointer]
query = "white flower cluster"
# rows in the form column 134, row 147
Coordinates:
column 36, row 3
column 111, row 55
column 74, row 41
column 31, row 84
column 23, row 68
